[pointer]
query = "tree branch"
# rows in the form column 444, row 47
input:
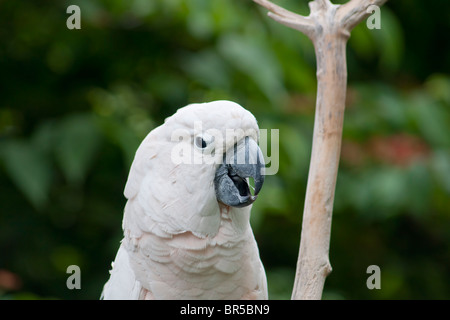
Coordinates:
column 328, row 26
column 288, row 18
column 353, row 12
column 348, row 15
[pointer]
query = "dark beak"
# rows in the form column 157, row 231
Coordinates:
column 243, row 161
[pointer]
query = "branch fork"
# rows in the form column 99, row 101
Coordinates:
column 323, row 16
column 328, row 26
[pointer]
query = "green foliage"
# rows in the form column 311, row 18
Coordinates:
column 28, row 168
column 75, row 104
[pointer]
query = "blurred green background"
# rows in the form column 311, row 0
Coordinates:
column 75, row 104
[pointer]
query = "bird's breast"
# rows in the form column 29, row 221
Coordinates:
column 189, row 267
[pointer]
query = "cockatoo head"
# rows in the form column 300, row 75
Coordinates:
column 198, row 162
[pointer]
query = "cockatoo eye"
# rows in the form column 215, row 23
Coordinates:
column 203, row 141
column 200, row 143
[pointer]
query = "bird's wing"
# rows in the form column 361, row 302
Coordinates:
column 122, row 285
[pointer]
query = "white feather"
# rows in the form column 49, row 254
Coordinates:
column 122, row 284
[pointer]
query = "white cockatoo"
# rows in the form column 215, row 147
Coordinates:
column 186, row 224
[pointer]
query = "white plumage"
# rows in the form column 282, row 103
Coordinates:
column 180, row 242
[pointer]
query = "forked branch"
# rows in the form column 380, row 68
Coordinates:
column 288, row 18
column 353, row 12
column 328, row 26
column 346, row 16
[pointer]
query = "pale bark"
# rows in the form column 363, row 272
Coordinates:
column 329, row 27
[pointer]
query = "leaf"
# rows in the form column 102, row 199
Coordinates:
column 391, row 108
column 29, row 168
column 440, row 164
column 438, row 85
column 362, row 42
column 123, row 136
column 390, row 41
column 208, row 68
column 387, row 189
column 256, row 60
column 431, row 119
column 76, row 143
column 199, row 19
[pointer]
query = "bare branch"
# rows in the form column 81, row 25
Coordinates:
column 328, row 26
column 272, row 7
column 355, row 11
column 320, row 4
column 288, row 18
column 323, row 2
